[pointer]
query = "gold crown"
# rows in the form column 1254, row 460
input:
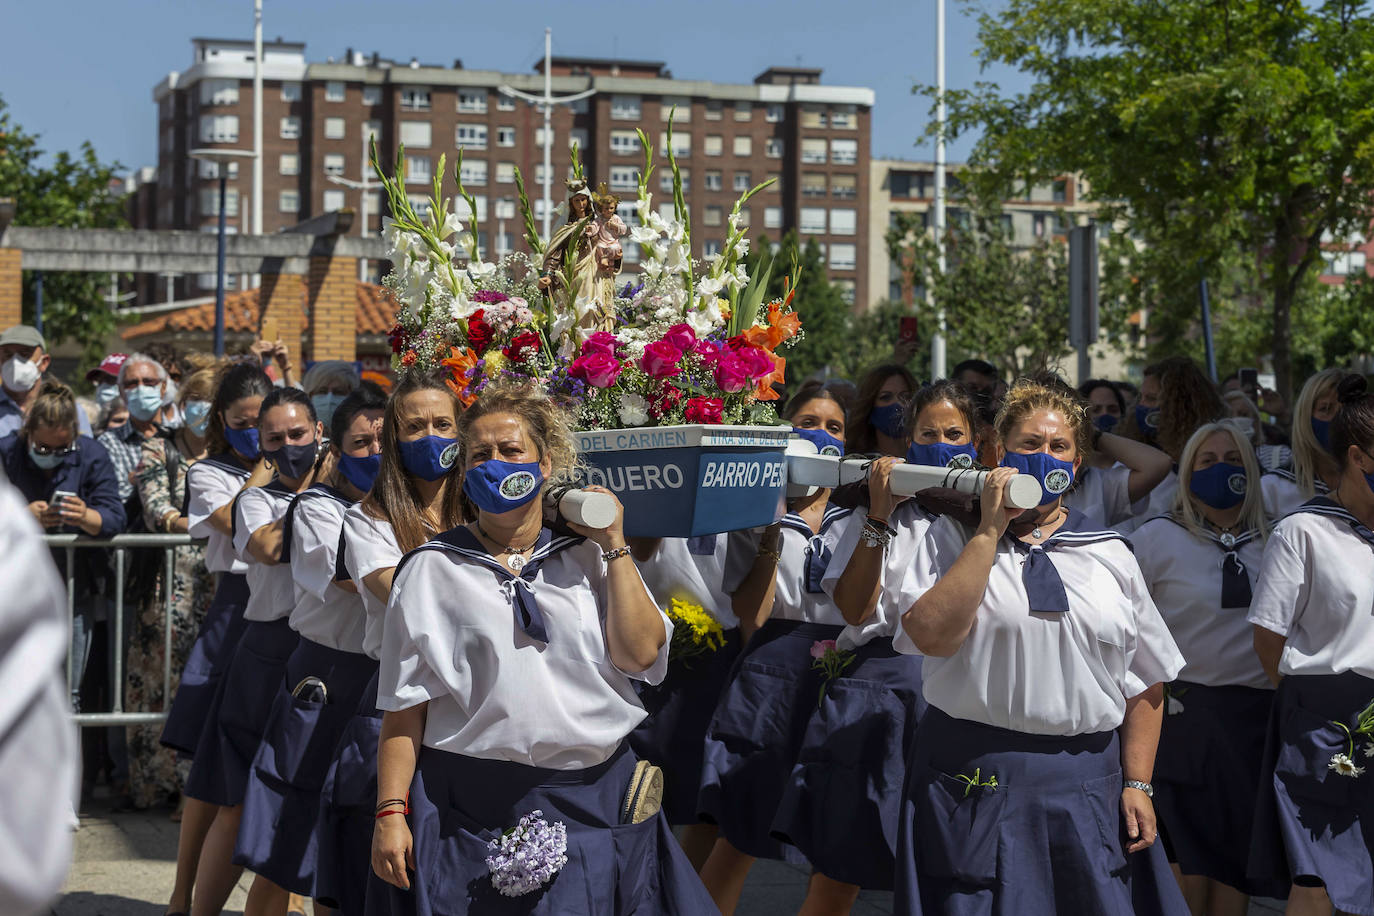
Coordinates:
column 604, row 196
column 574, row 185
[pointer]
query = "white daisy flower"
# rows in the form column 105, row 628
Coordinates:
column 1369, row 749
column 1343, row 765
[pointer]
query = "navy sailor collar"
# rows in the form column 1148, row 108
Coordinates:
column 1076, row 531
column 463, row 542
column 1323, row 505
column 832, row 514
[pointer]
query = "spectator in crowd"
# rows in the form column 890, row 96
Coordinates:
column 328, row 382
column 23, row 361
column 878, row 417
column 170, row 360
column 980, row 377
column 1267, row 401
column 1106, row 404
column 1176, row 397
column 142, row 382
column 105, row 378
column 1271, row 457
column 270, row 352
column 113, row 417
column 69, row 484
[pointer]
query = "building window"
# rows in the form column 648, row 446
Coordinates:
column 812, row 116
column 415, row 98
column 776, row 186
column 624, row 178
column 625, row 107
column 624, row 142
column 744, row 216
column 667, row 210
column 372, row 130
column 842, row 117
column 334, row 164
column 681, row 103
column 682, row 144
column 211, row 169
column 577, row 137
column 417, row 170
column 471, row 136
column 843, row 256
column 665, row 180
column 578, row 107
column 539, row 136
column 813, row 151
column 712, row 216
column 813, row 220
column 472, row 101
column 372, row 95
column 290, row 92
column 505, row 103
column 505, row 136
column 505, row 173
column 374, row 203
column 711, row 248
column 333, row 200
column 744, row 145
column 335, row 128
column 715, row 145
column 219, row 128
column 813, row 184
column 539, row 174
column 289, row 202
column 219, row 92
column 742, row 181
column 772, row 217
column 772, row 148
column 1061, row 191
column 209, row 202
column 289, row 164
column 460, row 208
column 715, row 109
column 773, row 115
column 631, row 252
column 844, row 186
column 334, row 91
column 473, row 172
column 416, row 134
column 713, row 182
column 744, row 111
column 843, row 221
column 842, row 152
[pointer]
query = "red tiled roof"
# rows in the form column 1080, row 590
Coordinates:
column 376, row 315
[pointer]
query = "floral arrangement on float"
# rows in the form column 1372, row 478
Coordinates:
column 683, row 357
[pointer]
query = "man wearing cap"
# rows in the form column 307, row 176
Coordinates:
column 105, row 378
column 23, row 360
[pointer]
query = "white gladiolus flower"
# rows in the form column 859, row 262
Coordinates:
column 742, row 248
column 644, row 206
column 1369, row 749
column 657, row 223
column 481, row 271
column 1343, row 765
column 452, row 223
column 645, row 235
column 634, row 410
column 676, row 260
column 710, row 286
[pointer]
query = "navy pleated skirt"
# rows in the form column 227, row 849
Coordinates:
column 1313, row 825
column 674, row 734
column 1207, row 778
column 220, row 631
column 281, row 806
column 841, row 802
column 1048, row 840
column 240, row 711
column 757, row 731
column 347, row 803
column 459, row 805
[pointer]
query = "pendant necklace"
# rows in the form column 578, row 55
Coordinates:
column 1037, row 533
column 516, row 561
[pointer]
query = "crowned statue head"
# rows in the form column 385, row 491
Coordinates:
column 579, row 198
column 604, row 201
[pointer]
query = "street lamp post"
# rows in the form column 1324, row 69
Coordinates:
column 220, row 157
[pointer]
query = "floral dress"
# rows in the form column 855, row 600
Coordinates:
column 155, row 775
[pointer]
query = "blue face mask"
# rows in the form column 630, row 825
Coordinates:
column 1322, row 430
column 325, row 405
column 361, row 472
column 197, row 416
column 429, row 457
column 293, row 461
column 499, row 486
column 825, row 443
column 46, row 462
column 941, row 455
column 1220, row 486
column 1147, row 419
column 1106, row 422
column 144, row 402
column 890, row 420
column 243, row 441
column 1055, row 476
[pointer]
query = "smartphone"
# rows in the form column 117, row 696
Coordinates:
column 269, row 330
column 908, row 328
column 1249, row 382
column 61, row 496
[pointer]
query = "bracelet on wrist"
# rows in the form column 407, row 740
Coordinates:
column 615, row 553
column 1145, row 787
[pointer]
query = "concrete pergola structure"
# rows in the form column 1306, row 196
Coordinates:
column 315, row 262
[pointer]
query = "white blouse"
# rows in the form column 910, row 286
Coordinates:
column 692, row 569
column 800, row 552
column 324, row 613
column 911, row 523
column 1316, row 587
column 369, row 545
column 211, row 484
column 1282, row 494
column 1183, row 571
column 1041, row 673
column 452, row 638
column 271, row 594
column 1103, row 495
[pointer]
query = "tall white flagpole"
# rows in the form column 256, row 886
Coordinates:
column 937, row 342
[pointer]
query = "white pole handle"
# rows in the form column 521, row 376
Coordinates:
column 588, row 508
column 1022, row 492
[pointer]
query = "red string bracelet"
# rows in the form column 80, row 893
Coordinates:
column 382, row 814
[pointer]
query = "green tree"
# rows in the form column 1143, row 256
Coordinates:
column 1209, row 128
column 824, row 314
column 69, row 191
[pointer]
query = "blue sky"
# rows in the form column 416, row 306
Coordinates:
column 75, row 70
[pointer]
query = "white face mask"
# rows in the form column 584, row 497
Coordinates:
column 1246, row 425
column 105, row 395
column 19, row 374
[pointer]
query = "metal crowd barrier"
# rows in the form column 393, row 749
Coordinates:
column 120, row 545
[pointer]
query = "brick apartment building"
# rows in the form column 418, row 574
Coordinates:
column 787, row 125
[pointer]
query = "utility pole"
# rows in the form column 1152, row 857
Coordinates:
column 545, row 104
column 937, row 342
column 256, row 225
column 362, row 186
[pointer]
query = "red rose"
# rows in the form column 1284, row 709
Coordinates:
column 667, row 398
column 397, row 339
column 704, row 410
column 731, row 373
column 523, row 346
column 480, row 333
column 660, row 360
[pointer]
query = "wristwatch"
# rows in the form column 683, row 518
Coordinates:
column 1145, row 787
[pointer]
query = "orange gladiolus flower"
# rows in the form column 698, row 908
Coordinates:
column 764, row 391
column 458, row 364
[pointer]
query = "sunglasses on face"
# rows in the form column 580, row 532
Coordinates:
column 61, row 451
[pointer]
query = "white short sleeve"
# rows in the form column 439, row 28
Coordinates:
column 254, row 509
column 315, row 544
column 1153, row 657
column 209, row 491
column 935, row 554
column 406, row 677
column 1282, row 590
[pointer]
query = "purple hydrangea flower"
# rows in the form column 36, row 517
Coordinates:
column 528, row 856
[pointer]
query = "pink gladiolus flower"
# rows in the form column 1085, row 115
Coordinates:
column 681, row 336
column 822, row 646
column 731, row 373
column 596, row 369
column 660, row 360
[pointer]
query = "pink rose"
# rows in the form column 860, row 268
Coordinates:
column 603, row 342
column 681, row 336
column 706, row 351
column 821, row 646
column 660, row 360
column 731, row 373
column 596, row 369
column 757, row 363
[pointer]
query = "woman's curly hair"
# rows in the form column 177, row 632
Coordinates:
column 1026, row 397
column 549, row 426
